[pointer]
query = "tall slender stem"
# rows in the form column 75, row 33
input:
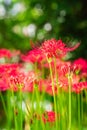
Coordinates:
column 21, row 115
column 14, row 108
column 70, row 83
column 81, row 107
column 79, row 120
column 55, row 107
column 3, row 103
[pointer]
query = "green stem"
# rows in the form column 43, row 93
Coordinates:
column 69, row 81
column 59, row 97
column 38, row 99
column 14, row 108
column 79, row 120
column 55, row 107
column 21, row 115
column 38, row 106
column 81, row 106
column 9, row 110
column 3, row 103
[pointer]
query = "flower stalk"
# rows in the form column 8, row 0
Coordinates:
column 70, row 85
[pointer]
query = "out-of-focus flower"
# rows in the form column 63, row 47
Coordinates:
column 46, row 86
column 6, row 72
column 5, row 53
column 81, row 64
column 33, row 56
column 16, row 82
column 47, row 117
column 3, row 85
column 78, row 87
column 9, row 68
column 50, row 116
column 29, row 81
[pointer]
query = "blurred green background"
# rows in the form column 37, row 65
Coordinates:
column 24, row 20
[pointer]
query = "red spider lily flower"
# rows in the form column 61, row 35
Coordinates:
column 8, row 71
column 29, row 82
column 50, row 90
column 66, row 68
column 33, row 56
column 63, row 82
column 16, row 82
column 22, row 81
column 56, row 48
column 72, row 48
column 8, row 67
column 15, row 79
column 5, row 53
column 49, row 116
column 51, row 48
column 64, row 71
column 81, row 64
column 28, row 87
column 77, row 88
column 3, row 85
column 46, row 86
column 13, row 82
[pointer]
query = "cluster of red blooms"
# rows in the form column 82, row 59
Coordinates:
column 14, row 76
column 46, row 117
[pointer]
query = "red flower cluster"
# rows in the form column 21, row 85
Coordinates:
column 56, row 48
column 33, row 56
column 77, row 88
column 5, row 53
column 81, row 64
column 14, row 76
column 49, row 116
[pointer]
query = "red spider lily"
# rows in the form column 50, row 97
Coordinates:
column 54, row 48
column 6, row 72
column 3, row 85
column 77, row 88
column 49, row 116
column 5, row 53
column 12, row 82
column 16, row 82
column 50, row 90
column 46, row 86
column 8, row 67
column 22, row 81
column 64, row 71
column 33, row 56
column 64, row 83
column 51, row 48
column 66, row 68
column 81, row 64
column 72, row 48
column 46, row 117
column 15, row 79
column 30, row 80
